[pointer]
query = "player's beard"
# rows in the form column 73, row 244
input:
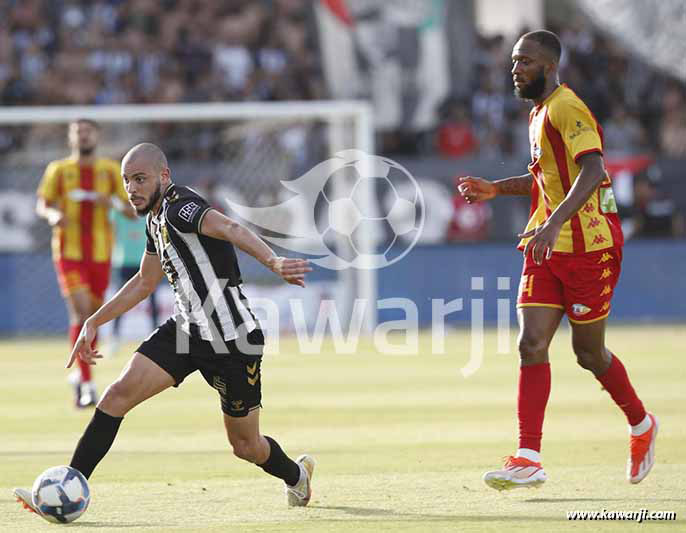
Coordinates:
column 151, row 204
column 85, row 151
column 533, row 89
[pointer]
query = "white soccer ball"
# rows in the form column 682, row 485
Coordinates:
column 61, row 494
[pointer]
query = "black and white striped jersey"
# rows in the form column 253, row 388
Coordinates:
column 202, row 271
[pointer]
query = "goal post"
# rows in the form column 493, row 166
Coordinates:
column 249, row 147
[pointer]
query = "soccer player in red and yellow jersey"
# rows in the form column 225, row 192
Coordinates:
column 572, row 256
column 75, row 196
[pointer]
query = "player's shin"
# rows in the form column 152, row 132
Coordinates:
column 534, row 390
column 616, row 382
column 95, row 442
column 278, row 464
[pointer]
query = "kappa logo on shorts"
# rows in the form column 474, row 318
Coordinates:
column 236, row 405
column 580, row 309
column 188, row 210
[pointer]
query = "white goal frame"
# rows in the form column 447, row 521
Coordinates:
column 360, row 283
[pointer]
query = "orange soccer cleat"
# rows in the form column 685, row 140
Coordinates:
column 642, row 456
column 518, row 472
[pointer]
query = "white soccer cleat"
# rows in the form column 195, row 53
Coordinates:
column 88, row 396
column 24, row 497
column 642, row 457
column 299, row 494
column 517, row 473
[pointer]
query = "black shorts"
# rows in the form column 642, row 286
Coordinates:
column 235, row 375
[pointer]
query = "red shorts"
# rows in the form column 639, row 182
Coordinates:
column 78, row 275
column 580, row 284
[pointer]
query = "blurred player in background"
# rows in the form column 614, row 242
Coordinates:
column 75, row 196
column 572, row 257
column 129, row 245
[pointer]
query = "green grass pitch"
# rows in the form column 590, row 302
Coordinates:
column 401, row 442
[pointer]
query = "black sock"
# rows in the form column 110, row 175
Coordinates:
column 95, row 442
column 280, row 465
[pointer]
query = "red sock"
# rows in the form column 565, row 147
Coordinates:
column 85, row 367
column 616, row 381
column 534, row 389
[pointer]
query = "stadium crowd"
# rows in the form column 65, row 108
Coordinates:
column 113, row 52
column 640, row 108
column 148, row 51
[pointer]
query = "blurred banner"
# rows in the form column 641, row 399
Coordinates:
column 394, row 53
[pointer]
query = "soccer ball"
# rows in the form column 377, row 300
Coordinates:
column 392, row 220
column 61, row 494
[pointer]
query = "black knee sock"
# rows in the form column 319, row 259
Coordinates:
column 95, row 442
column 280, row 465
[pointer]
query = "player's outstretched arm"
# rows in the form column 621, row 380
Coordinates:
column 219, row 226
column 475, row 189
column 137, row 289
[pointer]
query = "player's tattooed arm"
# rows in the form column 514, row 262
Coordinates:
column 475, row 189
column 516, row 186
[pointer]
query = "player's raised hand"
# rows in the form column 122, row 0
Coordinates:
column 291, row 270
column 83, row 347
column 542, row 241
column 475, row 189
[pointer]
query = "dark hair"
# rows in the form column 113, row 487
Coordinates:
column 548, row 40
column 88, row 121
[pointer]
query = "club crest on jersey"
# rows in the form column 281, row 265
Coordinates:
column 580, row 309
column 188, row 210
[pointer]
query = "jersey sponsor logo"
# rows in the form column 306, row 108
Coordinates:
column 606, row 290
column 607, row 272
column 593, row 223
column 580, row 309
column 188, row 210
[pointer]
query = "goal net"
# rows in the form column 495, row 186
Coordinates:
column 236, row 155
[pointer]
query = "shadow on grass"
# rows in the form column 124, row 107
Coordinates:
column 390, row 513
column 114, row 524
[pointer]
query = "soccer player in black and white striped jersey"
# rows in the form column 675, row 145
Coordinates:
column 213, row 329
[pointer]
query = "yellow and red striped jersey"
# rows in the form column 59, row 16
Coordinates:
column 86, row 234
column 561, row 130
